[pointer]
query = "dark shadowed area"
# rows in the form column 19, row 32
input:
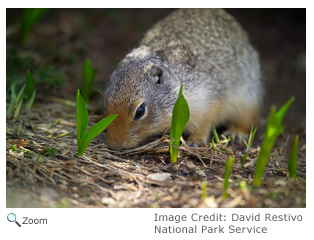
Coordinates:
column 43, row 168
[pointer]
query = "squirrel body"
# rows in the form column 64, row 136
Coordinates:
column 206, row 51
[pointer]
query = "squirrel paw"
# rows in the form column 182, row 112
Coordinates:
column 197, row 141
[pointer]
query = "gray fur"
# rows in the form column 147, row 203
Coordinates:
column 206, row 50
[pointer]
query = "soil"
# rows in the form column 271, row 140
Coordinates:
column 44, row 170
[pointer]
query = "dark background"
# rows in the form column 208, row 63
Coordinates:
column 65, row 38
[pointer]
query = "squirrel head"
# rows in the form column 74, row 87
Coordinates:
column 141, row 91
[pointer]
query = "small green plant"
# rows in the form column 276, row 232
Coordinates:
column 29, row 19
column 85, row 137
column 248, row 144
column 16, row 102
column 88, row 79
column 30, row 90
column 223, row 143
column 49, row 152
column 180, row 117
column 13, row 148
column 228, row 171
column 273, row 129
column 292, row 163
column 214, row 131
column 244, row 188
column 48, row 77
column 204, row 190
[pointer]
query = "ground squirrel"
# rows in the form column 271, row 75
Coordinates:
column 206, row 51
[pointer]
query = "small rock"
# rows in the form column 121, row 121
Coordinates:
column 200, row 173
column 159, row 176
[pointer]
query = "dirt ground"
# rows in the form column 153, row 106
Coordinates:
column 43, row 169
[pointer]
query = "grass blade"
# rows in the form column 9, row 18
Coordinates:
column 18, row 109
column 273, row 129
column 216, row 148
column 13, row 95
column 204, row 190
column 215, row 133
column 283, row 110
column 81, row 117
column 15, row 100
column 292, row 163
column 228, row 171
column 31, row 101
column 98, row 128
column 180, row 117
column 243, row 161
column 251, row 137
column 88, row 79
column 30, row 17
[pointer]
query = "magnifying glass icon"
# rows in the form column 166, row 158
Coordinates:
column 12, row 218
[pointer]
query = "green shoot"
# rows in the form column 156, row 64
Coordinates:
column 13, row 148
column 18, row 109
column 49, row 152
column 292, row 163
column 30, row 17
column 15, row 100
column 216, row 148
column 88, row 79
column 273, row 129
column 204, row 190
column 30, row 90
column 244, row 158
column 180, row 117
column 84, row 137
column 228, row 170
column 248, row 144
column 244, row 187
column 215, row 133
column 223, row 143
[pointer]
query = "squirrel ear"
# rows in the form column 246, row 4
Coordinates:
column 180, row 55
column 156, row 74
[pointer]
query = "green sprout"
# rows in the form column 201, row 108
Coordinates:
column 16, row 100
column 13, row 148
column 30, row 17
column 49, row 152
column 204, row 190
column 215, row 133
column 273, row 129
column 30, row 90
column 248, row 144
column 84, row 137
column 292, row 162
column 88, row 79
column 180, row 117
column 228, row 171
column 223, row 143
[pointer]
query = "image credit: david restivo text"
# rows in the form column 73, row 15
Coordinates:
column 216, row 223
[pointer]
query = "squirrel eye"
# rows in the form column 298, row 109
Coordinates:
column 156, row 74
column 140, row 111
